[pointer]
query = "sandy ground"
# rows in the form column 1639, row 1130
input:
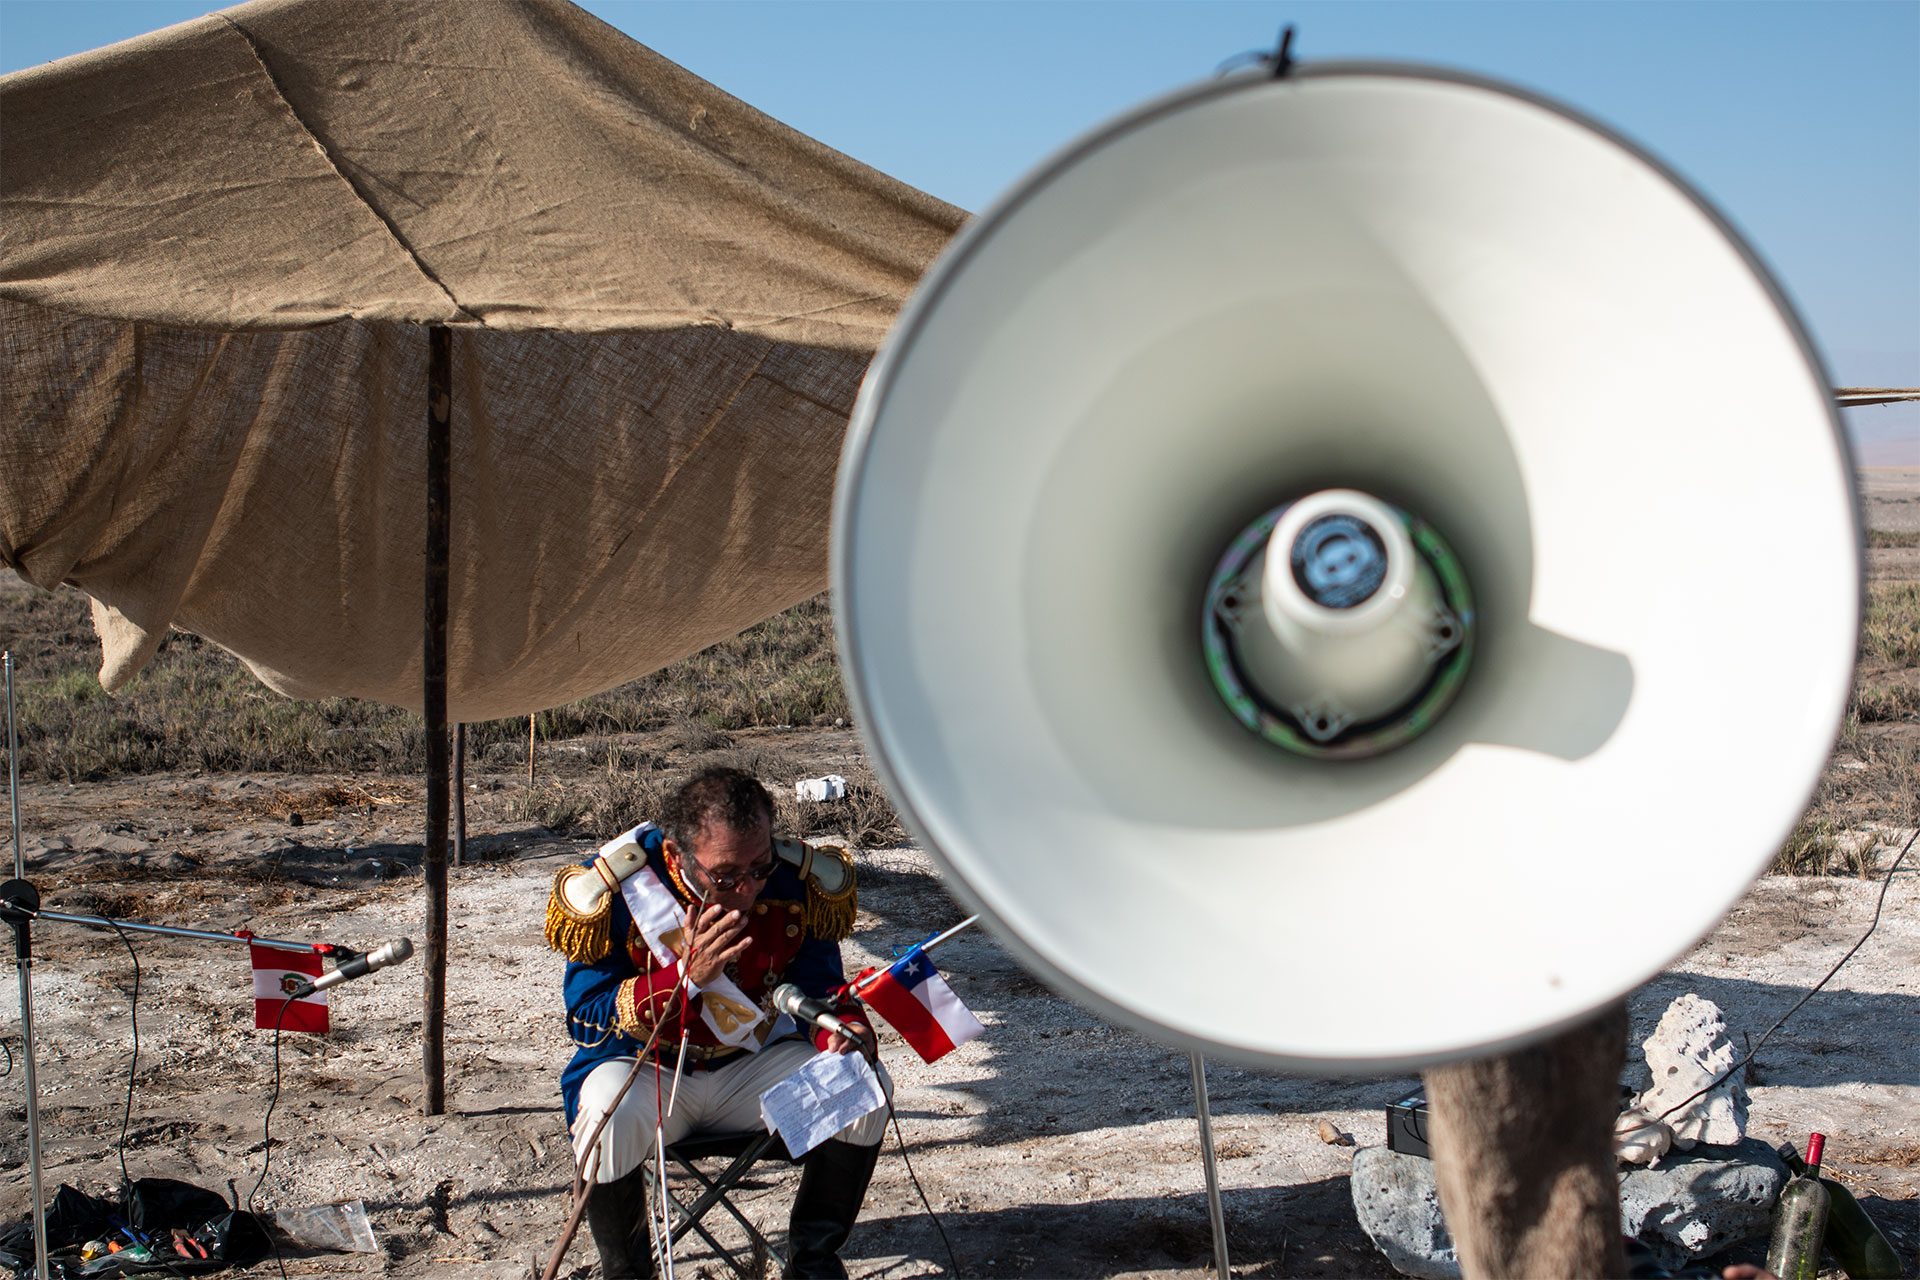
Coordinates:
column 1056, row 1145
column 1891, row 496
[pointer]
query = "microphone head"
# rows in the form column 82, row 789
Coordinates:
column 393, row 953
column 789, row 999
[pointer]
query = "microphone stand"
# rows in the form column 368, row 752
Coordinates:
column 19, row 907
column 19, row 917
column 18, row 901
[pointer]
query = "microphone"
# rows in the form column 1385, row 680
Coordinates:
column 796, row 1004
column 393, row 953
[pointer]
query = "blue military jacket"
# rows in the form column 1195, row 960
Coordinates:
column 614, row 1003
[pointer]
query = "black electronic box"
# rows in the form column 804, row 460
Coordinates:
column 1407, row 1125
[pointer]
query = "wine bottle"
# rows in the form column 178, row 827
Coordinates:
column 1853, row 1237
column 1800, row 1220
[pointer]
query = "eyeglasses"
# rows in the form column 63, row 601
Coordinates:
column 723, row 880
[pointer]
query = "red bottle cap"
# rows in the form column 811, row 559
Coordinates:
column 1815, row 1144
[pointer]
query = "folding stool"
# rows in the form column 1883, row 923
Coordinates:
column 742, row 1151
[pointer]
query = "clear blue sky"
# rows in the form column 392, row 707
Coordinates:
column 1800, row 120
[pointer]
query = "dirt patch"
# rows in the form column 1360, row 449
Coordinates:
column 300, row 805
column 1891, row 498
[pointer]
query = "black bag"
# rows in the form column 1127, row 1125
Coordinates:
column 73, row 1218
column 230, row 1237
column 158, row 1205
column 235, row 1237
column 155, row 1207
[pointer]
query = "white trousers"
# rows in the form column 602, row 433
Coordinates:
column 722, row 1101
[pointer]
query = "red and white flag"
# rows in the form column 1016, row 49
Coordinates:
column 277, row 974
column 917, row 1002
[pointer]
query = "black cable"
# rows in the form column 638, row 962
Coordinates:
column 1247, row 58
column 266, row 1141
column 8, row 1050
column 133, row 1067
column 1279, row 59
column 133, row 1015
column 953, row 1264
column 1880, row 902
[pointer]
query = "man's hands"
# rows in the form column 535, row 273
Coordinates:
column 717, row 941
column 868, row 1044
column 720, row 937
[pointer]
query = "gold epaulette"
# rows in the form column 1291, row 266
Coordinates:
column 833, row 891
column 580, row 908
column 583, row 937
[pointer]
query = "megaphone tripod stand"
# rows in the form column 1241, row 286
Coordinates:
column 1216, row 1211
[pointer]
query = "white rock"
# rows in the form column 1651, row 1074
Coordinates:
column 1686, row 1051
column 831, row 787
column 1640, row 1139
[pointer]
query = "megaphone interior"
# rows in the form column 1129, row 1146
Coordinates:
column 1348, row 570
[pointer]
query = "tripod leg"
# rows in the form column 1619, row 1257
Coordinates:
column 1216, row 1212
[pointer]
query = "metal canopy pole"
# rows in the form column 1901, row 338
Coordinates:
column 460, row 794
column 433, row 1021
column 1215, row 1211
column 13, row 774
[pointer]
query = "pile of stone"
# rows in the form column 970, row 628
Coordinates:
column 1692, row 1182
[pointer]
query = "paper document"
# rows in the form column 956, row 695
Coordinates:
column 820, row 1099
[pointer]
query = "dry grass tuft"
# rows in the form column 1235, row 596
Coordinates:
column 1817, row 847
column 1891, row 630
column 197, row 708
column 1868, row 781
column 1886, row 701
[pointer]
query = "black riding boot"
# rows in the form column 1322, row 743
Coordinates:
column 833, row 1182
column 617, row 1217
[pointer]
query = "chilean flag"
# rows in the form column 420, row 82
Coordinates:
column 918, row 1003
column 276, row 975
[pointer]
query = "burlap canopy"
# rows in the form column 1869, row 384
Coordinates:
column 221, row 243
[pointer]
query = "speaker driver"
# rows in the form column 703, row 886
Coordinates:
column 1520, row 474
column 1338, row 626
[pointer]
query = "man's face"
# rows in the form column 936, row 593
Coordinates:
column 729, row 867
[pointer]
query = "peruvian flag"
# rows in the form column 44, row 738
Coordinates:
column 918, row 1003
column 276, row 975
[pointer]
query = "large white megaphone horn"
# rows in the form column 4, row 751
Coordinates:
column 1348, row 570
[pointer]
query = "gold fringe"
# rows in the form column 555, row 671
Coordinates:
column 831, row 916
column 585, row 939
column 626, row 1010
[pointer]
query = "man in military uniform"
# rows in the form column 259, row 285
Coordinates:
column 726, row 914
